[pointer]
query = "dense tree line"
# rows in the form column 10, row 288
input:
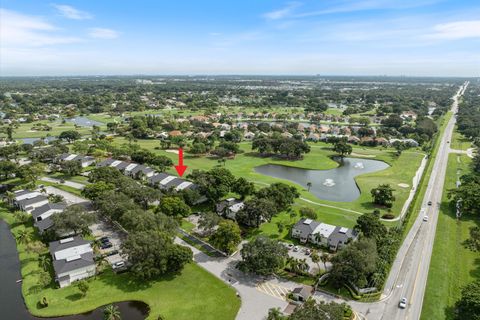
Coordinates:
column 284, row 147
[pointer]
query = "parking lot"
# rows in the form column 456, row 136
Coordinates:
column 299, row 252
column 104, row 229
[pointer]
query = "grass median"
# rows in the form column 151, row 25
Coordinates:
column 452, row 265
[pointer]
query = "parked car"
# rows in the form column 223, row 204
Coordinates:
column 104, row 239
column 290, row 246
column 296, row 248
column 403, row 303
column 106, row 245
column 119, row 264
column 425, row 218
column 308, row 252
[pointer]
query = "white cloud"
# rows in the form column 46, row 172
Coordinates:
column 19, row 30
column 70, row 12
column 456, row 30
column 103, row 33
column 365, row 5
column 281, row 13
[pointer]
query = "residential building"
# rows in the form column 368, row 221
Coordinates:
column 30, row 204
column 303, row 229
column 72, row 260
column 323, row 234
column 229, row 207
column 85, row 161
column 42, row 215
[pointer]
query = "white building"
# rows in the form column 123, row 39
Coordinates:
column 72, row 260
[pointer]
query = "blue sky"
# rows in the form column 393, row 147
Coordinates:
column 342, row 37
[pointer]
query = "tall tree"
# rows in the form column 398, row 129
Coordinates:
column 342, row 148
column 152, row 253
column 383, row 195
column 354, row 263
column 227, row 237
column 73, row 219
column 243, row 187
column 69, row 135
column 174, row 206
column 254, row 211
column 263, row 256
column 468, row 307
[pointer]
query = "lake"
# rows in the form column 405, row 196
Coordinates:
column 84, row 122
column 12, row 306
column 32, row 140
column 335, row 184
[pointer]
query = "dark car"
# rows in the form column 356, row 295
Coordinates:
column 429, row 203
column 104, row 239
column 106, row 245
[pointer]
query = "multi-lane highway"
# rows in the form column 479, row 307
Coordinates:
column 408, row 277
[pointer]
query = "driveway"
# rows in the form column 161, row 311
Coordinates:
column 69, row 197
column 255, row 302
column 71, row 184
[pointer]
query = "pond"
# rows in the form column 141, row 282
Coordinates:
column 335, row 184
column 84, row 122
column 11, row 301
column 32, row 140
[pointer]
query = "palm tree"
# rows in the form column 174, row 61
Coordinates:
column 309, row 185
column 10, row 197
column 44, row 262
column 23, row 236
column 325, row 257
column 111, row 312
column 315, row 258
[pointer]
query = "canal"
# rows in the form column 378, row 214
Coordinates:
column 12, row 306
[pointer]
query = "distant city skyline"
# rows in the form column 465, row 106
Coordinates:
column 346, row 37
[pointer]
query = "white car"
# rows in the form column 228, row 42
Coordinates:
column 296, row 248
column 425, row 218
column 308, row 252
column 403, row 303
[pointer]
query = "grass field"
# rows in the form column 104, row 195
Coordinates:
column 459, row 142
column 402, row 170
column 452, row 265
column 417, row 203
column 25, row 129
column 191, row 294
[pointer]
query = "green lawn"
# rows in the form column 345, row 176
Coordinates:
column 452, row 265
column 459, row 142
column 402, row 170
column 192, row 294
column 417, row 202
column 25, row 129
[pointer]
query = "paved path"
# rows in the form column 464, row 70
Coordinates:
column 255, row 302
column 69, row 197
column 415, row 182
column 469, row 152
column 75, row 185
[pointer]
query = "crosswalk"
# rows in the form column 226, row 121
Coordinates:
column 273, row 290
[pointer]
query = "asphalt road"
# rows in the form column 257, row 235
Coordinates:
column 408, row 277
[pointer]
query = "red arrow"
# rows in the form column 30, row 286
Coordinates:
column 180, row 168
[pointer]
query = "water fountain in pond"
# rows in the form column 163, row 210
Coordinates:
column 329, row 183
column 359, row 165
